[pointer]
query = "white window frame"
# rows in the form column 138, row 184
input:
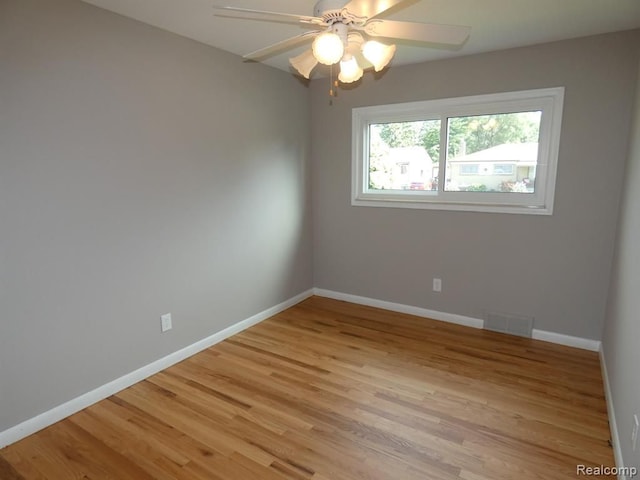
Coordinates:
column 549, row 101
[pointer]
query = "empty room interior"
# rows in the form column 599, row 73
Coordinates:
column 212, row 267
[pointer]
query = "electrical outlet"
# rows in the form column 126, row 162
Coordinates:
column 165, row 322
column 437, row 284
column 634, row 433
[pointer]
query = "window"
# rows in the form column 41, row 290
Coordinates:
column 490, row 153
column 470, row 169
column 503, row 169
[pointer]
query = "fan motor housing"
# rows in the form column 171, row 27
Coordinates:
column 328, row 7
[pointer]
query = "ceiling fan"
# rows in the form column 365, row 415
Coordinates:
column 343, row 33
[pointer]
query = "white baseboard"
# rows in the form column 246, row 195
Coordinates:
column 561, row 339
column 60, row 412
column 567, row 340
column 401, row 308
column 613, row 426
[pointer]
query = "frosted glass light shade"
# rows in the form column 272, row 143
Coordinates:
column 304, row 63
column 328, row 48
column 378, row 54
column 350, row 71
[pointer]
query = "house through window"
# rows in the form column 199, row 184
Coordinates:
column 495, row 153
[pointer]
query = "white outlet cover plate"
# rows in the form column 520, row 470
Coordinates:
column 165, row 322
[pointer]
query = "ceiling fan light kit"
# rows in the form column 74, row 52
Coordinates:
column 342, row 34
column 304, row 63
column 350, row 71
column 378, row 54
column 329, row 46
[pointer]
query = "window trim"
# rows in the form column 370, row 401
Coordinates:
column 548, row 100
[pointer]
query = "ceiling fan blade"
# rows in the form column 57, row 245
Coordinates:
column 250, row 14
column 280, row 46
column 421, row 32
column 370, row 8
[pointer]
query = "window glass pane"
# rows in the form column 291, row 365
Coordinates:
column 492, row 153
column 469, row 169
column 503, row 168
column 404, row 155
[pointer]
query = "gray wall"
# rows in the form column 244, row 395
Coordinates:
column 622, row 325
column 555, row 268
column 140, row 173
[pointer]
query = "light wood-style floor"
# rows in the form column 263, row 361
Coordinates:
column 333, row 391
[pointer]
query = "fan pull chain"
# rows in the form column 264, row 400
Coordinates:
column 333, row 85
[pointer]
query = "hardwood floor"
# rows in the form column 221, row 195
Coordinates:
column 333, row 391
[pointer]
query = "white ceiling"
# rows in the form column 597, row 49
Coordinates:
column 496, row 24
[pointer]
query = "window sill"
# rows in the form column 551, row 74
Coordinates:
column 452, row 206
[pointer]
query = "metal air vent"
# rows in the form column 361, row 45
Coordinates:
column 509, row 323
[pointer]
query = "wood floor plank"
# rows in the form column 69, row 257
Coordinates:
column 7, row 471
column 329, row 390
